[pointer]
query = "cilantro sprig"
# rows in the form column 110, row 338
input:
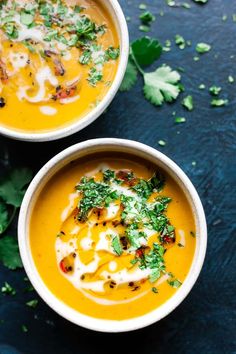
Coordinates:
column 12, row 190
column 160, row 85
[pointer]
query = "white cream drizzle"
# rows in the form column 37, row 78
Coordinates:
column 18, row 60
column 182, row 237
column 69, row 99
column 43, row 75
column 48, row 110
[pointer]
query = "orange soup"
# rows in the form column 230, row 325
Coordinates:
column 112, row 237
column 57, row 61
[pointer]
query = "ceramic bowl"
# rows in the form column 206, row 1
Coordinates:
column 117, row 15
column 137, row 150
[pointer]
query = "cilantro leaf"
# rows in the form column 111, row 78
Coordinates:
column 161, row 85
column 188, row 103
column 116, row 245
column 13, row 189
column 9, row 253
column 3, row 217
column 146, row 50
column 130, row 77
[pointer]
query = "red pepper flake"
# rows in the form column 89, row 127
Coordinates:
column 63, row 266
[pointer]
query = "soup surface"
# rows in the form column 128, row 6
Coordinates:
column 57, row 61
column 112, row 238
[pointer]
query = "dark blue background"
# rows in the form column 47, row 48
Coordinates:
column 203, row 323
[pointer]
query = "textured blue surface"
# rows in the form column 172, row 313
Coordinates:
column 205, row 321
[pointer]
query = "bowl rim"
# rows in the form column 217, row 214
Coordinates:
column 96, row 112
column 103, row 325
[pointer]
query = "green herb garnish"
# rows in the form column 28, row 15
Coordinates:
column 8, row 289
column 174, row 283
column 214, row 90
column 116, row 245
column 202, row 48
column 188, row 103
column 218, row 102
column 32, row 303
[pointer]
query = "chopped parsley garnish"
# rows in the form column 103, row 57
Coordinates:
column 108, row 175
column 24, row 328
column 116, row 245
column 202, row 48
column 179, row 120
column 32, row 303
column 112, row 53
column 215, row 90
column 95, row 195
column 180, row 41
column 218, row 102
column 174, row 283
column 147, row 17
column 94, row 76
column 154, row 261
column 8, row 289
column 138, row 214
column 230, row 79
column 154, row 290
column 162, row 142
column 188, row 103
column 145, row 188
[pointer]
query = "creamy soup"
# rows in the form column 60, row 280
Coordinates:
column 57, row 61
column 112, row 238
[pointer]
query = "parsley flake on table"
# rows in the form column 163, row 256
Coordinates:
column 215, row 90
column 218, row 102
column 162, row 142
column 9, row 253
column 202, row 87
column 188, row 103
column 24, row 328
column 7, row 289
column 142, row 6
column 179, row 120
column 144, row 28
column 180, row 41
column 201, row 1
column 230, row 79
column 202, row 48
column 147, row 17
column 32, row 303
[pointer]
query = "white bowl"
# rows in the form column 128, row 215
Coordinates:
column 149, row 154
column 117, row 15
